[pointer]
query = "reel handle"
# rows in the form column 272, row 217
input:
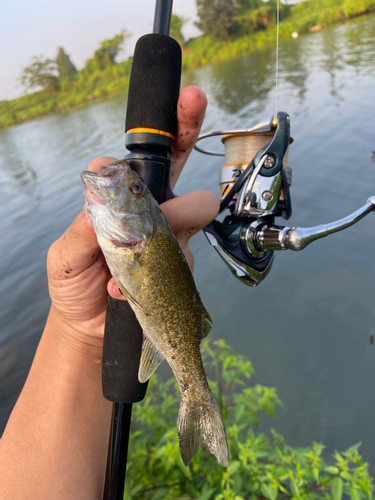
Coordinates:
column 270, row 238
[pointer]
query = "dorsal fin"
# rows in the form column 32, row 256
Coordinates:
column 150, row 360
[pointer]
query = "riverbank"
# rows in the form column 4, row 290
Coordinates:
column 304, row 16
column 200, row 51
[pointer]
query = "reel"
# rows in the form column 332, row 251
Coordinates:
column 254, row 194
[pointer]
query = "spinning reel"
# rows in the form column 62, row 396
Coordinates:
column 256, row 193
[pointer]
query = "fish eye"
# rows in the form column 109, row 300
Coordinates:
column 137, row 188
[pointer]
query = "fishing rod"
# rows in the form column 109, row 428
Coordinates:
column 150, row 127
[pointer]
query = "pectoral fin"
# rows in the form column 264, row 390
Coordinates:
column 134, row 282
column 150, row 360
column 128, row 296
column 135, row 276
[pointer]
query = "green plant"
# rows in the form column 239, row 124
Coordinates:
column 40, row 73
column 262, row 465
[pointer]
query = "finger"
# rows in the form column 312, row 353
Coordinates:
column 114, row 290
column 187, row 215
column 190, row 213
column 100, row 161
column 78, row 248
column 191, row 108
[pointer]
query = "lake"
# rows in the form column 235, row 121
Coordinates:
column 307, row 327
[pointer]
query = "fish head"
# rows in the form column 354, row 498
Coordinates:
column 119, row 205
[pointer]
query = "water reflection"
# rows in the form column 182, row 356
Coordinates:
column 293, row 59
column 358, row 36
column 243, row 82
column 18, row 178
column 332, row 61
column 244, row 86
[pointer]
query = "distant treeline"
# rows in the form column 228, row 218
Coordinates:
column 229, row 28
column 299, row 18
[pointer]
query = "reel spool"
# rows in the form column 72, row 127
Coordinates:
column 245, row 146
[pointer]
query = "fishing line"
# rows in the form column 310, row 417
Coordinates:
column 277, row 51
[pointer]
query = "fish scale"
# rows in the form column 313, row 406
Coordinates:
column 144, row 257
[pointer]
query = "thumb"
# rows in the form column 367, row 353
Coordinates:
column 75, row 251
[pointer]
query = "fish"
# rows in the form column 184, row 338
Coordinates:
column 151, row 271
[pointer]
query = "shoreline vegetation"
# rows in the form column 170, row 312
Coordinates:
column 103, row 77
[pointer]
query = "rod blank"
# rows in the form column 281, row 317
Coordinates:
column 162, row 18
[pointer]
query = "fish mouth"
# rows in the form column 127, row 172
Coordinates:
column 97, row 184
column 127, row 244
column 91, row 197
column 108, row 175
column 110, row 220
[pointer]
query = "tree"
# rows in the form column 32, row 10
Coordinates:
column 254, row 15
column 220, row 19
column 215, row 18
column 106, row 55
column 65, row 67
column 40, row 73
column 176, row 25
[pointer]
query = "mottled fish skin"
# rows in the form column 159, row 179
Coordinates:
column 145, row 259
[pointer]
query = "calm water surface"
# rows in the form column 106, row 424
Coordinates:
column 307, row 327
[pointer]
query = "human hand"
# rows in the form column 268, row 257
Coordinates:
column 79, row 279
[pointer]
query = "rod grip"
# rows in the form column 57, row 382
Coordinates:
column 154, row 88
column 122, row 350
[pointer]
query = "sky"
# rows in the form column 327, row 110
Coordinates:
column 36, row 28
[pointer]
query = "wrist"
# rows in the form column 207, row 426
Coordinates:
column 75, row 340
column 56, row 439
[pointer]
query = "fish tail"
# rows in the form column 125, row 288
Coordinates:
column 200, row 423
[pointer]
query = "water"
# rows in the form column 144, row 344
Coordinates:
column 307, row 327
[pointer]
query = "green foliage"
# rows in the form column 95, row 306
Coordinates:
column 254, row 15
column 177, row 23
column 220, row 19
column 262, row 465
column 294, row 18
column 215, row 18
column 231, row 19
column 356, row 7
column 40, row 73
column 80, row 90
column 105, row 56
column 84, row 86
column 65, row 67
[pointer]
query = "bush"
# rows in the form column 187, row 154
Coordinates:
column 262, row 465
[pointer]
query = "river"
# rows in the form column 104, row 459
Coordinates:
column 307, row 327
